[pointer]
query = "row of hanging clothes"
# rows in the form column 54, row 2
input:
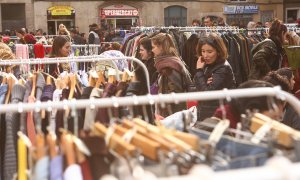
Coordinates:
column 27, row 81
column 131, row 148
column 239, row 43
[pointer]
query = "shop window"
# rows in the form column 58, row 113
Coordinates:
column 292, row 15
column 175, row 16
column 13, row 16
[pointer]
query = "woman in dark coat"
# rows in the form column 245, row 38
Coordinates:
column 173, row 75
column 213, row 72
column 269, row 54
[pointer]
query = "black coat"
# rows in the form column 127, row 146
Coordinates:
column 222, row 76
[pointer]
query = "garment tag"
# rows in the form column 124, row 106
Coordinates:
column 81, row 146
column 219, row 130
column 112, row 72
column 129, row 135
column 261, row 133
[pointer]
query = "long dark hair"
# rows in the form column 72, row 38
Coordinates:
column 58, row 43
column 275, row 33
column 146, row 43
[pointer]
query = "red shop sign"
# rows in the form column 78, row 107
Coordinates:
column 119, row 12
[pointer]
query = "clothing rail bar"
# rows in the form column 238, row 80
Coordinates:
column 161, row 98
column 77, row 45
column 94, row 58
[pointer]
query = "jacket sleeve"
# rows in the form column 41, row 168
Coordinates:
column 171, row 81
column 219, row 77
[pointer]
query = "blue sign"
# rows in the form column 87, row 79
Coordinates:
column 244, row 9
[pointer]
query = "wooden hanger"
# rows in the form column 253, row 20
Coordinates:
column 34, row 78
column 190, row 139
column 73, row 81
column 180, row 145
column 112, row 79
column 100, row 80
column 285, row 133
column 116, row 142
column 10, row 84
column 51, row 142
column 68, row 148
column 149, row 148
column 165, row 145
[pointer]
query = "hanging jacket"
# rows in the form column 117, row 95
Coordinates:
column 266, row 58
column 222, row 76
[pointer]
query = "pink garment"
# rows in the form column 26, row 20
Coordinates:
column 30, row 124
column 22, row 51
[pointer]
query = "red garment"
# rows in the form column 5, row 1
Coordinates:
column 39, row 52
column 230, row 115
column 86, row 170
column 30, row 124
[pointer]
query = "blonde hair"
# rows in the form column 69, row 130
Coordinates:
column 166, row 43
column 6, row 54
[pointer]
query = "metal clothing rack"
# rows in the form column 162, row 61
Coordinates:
column 152, row 99
column 78, row 45
column 94, row 58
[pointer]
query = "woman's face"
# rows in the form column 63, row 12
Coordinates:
column 145, row 55
column 284, row 36
column 209, row 54
column 156, row 49
column 65, row 50
column 292, row 81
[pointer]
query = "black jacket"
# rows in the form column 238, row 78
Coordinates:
column 266, row 58
column 222, row 76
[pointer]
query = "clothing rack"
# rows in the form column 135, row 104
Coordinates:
column 93, row 58
column 78, row 45
column 161, row 99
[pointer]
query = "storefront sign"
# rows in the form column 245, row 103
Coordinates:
column 119, row 10
column 61, row 10
column 244, row 9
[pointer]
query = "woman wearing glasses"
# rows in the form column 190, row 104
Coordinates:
column 213, row 71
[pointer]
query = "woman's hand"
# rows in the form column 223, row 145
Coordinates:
column 200, row 63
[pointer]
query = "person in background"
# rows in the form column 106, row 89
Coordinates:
column 62, row 30
column 221, row 22
column 39, row 32
column 238, row 106
column 268, row 54
column 76, row 38
column 213, row 71
column 61, row 48
column 268, row 24
column 208, row 21
column 173, row 75
column 93, row 35
column 147, row 57
column 259, row 25
column 250, row 27
column 284, row 78
column 196, row 23
column 25, row 38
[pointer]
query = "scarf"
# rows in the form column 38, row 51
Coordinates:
column 174, row 63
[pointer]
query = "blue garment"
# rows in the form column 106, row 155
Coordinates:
column 121, row 63
column 3, row 90
column 41, row 169
column 238, row 153
column 56, row 168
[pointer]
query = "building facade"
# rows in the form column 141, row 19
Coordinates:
column 291, row 10
column 15, row 14
column 47, row 15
